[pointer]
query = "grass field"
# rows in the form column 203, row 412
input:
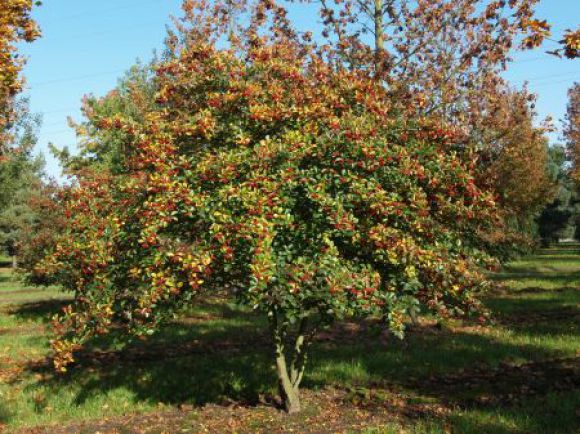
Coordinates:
column 212, row 370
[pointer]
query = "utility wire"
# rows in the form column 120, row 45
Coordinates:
column 75, row 78
column 111, row 30
column 546, row 77
column 563, row 74
column 62, row 110
column 54, row 133
column 552, row 83
column 95, row 12
column 52, row 124
column 116, row 71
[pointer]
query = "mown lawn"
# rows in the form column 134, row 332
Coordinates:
column 212, row 370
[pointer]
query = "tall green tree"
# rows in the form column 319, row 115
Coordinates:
column 20, row 178
column 514, row 162
column 572, row 130
column 560, row 218
column 103, row 149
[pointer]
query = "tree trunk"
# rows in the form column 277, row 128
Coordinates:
column 14, row 262
column 288, row 392
column 414, row 318
column 289, row 378
column 379, row 35
column 299, row 356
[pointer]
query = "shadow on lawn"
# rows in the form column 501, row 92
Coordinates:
column 5, row 415
column 219, row 362
column 535, row 300
column 42, row 310
column 570, row 278
column 221, row 354
column 7, row 278
column 222, row 359
column 542, row 313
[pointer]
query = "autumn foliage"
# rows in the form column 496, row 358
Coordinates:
column 15, row 26
column 269, row 170
column 572, row 129
column 513, row 163
column 311, row 181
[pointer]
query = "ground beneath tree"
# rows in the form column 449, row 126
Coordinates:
column 211, row 371
column 333, row 409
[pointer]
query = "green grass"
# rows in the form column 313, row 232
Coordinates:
column 515, row 375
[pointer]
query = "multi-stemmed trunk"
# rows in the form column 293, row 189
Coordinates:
column 290, row 374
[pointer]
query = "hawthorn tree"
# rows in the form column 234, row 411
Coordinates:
column 267, row 168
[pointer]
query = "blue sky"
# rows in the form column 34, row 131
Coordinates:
column 87, row 44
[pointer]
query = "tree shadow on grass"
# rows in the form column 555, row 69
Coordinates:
column 219, row 362
column 572, row 256
column 540, row 313
column 40, row 311
column 5, row 415
column 5, row 278
column 221, row 354
column 421, row 355
column 565, row 278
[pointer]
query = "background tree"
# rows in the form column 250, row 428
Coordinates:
column 103, row 149
column 268, row 170
column 434, row 55
column 572, row 129
column 569, row 45
column 99, row 150
column 39, row 232
column 15, row 26
column 20, row 177
column 514, row 162
column 560, row 218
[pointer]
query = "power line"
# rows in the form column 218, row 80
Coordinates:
column 533, row 59
column 552, row 83
column 60, row 110
column 545, row 56
column 116, row 71
column 110, row 30
column 563, row 74
column 94, row 12
column 548, row 77
column 52, row 124
column 75, row 78
column 52, row 133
